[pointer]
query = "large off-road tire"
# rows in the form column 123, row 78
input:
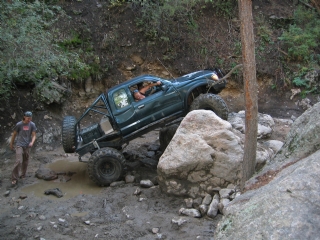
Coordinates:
column 106, row 165
column 211, row 102
column 69, row 139
column 166, row 134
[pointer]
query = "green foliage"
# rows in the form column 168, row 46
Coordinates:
column 73, row 42
column 224, row 8
column 161, row 18
column 265, row 34
column 299, row 82
column 28, row 53
column 302, row 37
column 237, row 48
column 117, row 3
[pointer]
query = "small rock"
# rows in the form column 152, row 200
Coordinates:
column 231, row 186
column 225, row 193
column 23, row 196
column 32, row 215
column 47, row 117
column 137, row 192
column 177, row 222
column 153, row 147
column 7, row 193
column 115, row 184
column 87, row 222
column 197, row 202
column 220, row 207
column 146, row 183
column 189, row 202
column 224, row 201
column 207, row 199
column 155, row 230
column 42, row 217
column 55, row 191
column 191, row 212
column 131, row 68
column 129, row 179
column 203, row 208
column 150, row 154
column 213, row 208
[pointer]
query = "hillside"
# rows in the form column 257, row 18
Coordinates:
column 114, row 39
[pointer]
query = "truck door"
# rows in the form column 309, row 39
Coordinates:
column 158, row 105
column 124, row 112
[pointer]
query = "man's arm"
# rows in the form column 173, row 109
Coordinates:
column 144, row 89
column 33, row 139
column 13, row 137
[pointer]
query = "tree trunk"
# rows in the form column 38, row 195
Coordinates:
column 250, row 89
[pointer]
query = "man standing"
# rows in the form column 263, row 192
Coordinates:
column 26, row 132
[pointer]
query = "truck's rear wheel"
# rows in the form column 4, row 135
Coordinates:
column 211, row 102
column 105, row 166
column 69, row 139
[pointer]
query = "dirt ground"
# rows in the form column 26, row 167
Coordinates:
column 87, row 211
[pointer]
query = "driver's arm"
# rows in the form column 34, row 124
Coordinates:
column 144, row 89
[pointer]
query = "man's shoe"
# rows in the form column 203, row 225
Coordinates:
column 14, row 183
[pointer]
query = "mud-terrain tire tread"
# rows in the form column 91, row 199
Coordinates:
column 69, row 134
column 102, row 157
column 211, row 102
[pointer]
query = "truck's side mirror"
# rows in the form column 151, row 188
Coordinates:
column 164, row 87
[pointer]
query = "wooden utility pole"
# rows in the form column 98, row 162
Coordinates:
column 250, row 89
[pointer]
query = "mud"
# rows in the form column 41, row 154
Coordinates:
column 79, row 183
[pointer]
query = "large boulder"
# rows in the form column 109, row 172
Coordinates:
column 205, row 152
column 286, row 208
column 282, row 200
column 302, row 140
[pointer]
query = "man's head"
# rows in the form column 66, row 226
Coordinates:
column 137, row 95
column 27, row 116
column 140, row 85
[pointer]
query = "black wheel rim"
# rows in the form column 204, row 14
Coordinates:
column 107, row 168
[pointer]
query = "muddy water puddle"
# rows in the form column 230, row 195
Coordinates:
column 75, row 184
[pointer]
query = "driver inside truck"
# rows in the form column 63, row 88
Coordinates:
column 141, row 92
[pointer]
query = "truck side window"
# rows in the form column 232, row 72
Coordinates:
column 120, row 98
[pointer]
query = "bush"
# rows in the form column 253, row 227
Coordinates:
column 302, row 37
column 28, row 53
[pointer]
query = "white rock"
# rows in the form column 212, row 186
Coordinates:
column 191, row 212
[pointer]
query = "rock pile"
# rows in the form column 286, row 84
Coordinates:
column 211, row 204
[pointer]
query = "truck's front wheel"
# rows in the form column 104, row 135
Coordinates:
column 211, row 102
column 105, row 166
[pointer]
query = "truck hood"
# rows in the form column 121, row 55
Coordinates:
column 195, row 75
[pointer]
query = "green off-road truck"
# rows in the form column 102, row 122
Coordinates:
column 115, row 117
